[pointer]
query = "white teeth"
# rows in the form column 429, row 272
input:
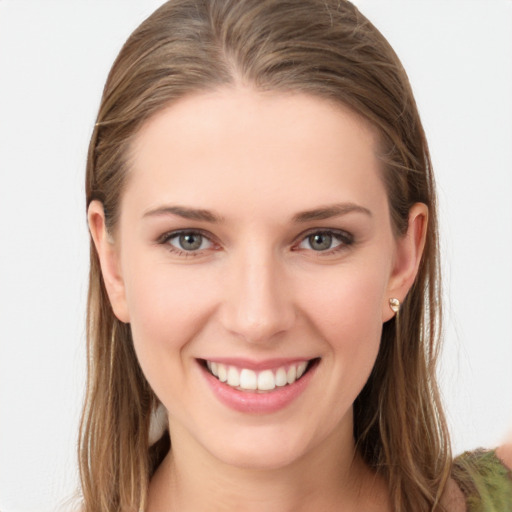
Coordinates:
column 281, row 377
column 233, row 377
column 266, row 380
column 291, row 375
column 301, row 368
column 223, row 372
column 250, row 380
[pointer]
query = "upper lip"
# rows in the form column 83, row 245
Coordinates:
column 251, row 364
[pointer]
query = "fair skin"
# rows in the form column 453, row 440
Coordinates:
column 255, row 233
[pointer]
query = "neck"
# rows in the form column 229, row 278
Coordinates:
column 330, row 477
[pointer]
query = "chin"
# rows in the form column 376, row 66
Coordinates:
column 263, row 448
column 260, row 460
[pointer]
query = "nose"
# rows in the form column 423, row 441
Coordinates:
column 258, row 304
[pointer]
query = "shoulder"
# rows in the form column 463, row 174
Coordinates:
column 504, row 453
column 485, row 479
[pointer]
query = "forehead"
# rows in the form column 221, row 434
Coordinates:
column 243, row 144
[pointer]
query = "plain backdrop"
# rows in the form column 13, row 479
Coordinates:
column 54, row 58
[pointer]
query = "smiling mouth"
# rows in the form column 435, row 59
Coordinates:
column 245, row 379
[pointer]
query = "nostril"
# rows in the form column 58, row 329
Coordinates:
column 256, row 304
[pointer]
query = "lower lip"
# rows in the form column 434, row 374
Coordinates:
column 259, row 403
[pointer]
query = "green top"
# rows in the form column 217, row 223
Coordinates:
column 484, row 480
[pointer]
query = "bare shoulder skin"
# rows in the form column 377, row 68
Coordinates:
column 504, row 453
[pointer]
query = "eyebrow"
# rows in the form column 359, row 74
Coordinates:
column 330, row 211
column 185, row 213
column 322, row 213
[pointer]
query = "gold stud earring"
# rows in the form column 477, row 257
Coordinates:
column 394, row 304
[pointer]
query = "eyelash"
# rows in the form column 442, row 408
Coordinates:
column 344, row 238
column 167, row 237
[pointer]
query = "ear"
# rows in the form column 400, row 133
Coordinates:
column 108, row 254
column 409, row 249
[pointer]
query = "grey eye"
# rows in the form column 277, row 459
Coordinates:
column 190, row 241
column 320, row 241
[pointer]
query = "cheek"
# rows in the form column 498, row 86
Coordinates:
column 346, row 310
column 346, row 301
column 164, row 299
column 168, row 307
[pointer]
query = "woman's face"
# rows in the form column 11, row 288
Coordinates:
column 255, row 240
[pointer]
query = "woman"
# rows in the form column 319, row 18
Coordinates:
column 264, row 271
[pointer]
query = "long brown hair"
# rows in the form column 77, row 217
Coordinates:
column 328, row 49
